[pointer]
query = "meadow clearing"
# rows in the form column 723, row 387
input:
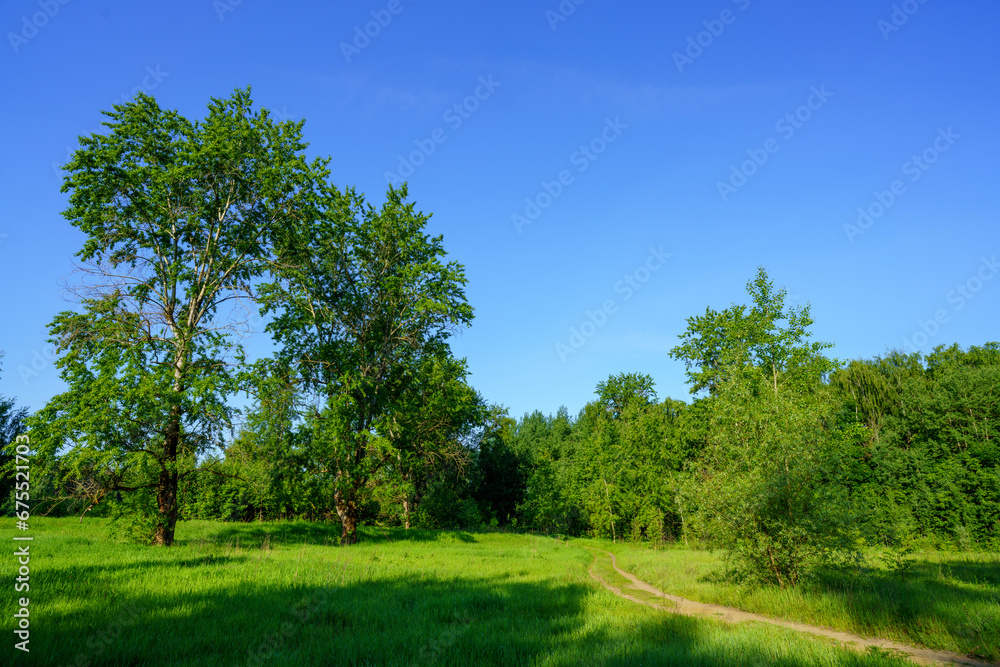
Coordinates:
column 939, row 599
column 282, row 594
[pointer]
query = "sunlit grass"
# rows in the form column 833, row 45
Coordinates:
column 280, row 594
column 948, row 601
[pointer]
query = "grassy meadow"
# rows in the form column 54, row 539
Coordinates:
column 946, row 600
column 281, row 594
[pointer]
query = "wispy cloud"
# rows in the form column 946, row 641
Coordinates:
column 541, row 82
column 640, row 97
column 358, row 88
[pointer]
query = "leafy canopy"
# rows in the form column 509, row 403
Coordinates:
column 180, row 220
column 770, row 336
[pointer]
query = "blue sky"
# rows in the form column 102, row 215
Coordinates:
column 620, row 164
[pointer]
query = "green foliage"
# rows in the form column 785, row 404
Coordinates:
column 180, row 219
column 12, row 424
column 363, row 307
column 717, row 343
column 620, row 391
column 430, row 422
column 613, row 472
column 925, row 461
column 898, row 560
column 266, row 472
column 548, row 447
column 443, row 507
column 134, row 517
column 766, row 487
column 783, row 457
column 500, row 471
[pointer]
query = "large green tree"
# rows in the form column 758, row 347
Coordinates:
column 765, row 487
column 364, row 299
column 769, row 335
column 179, row 219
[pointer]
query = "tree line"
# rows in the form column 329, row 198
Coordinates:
column 195, row 230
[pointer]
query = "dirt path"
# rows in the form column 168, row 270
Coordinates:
column 686, row 607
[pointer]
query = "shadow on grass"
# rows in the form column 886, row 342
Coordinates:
column 422, row 535
column 384, row 620
column 279, row 532
column 966, row 570
column 958, row 599
column 303, row 532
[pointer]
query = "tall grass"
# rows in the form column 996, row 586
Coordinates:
column 280, row 594
column 944, row 600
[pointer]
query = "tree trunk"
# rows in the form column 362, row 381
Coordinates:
column 347, row 510
column 166, row 499
column 611, row 515
column 166, row 488
column 684, row 532
column 407, row 479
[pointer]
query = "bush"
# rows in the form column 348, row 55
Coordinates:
column 134, row 517
column 767, row 489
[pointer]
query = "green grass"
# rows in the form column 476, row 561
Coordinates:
column 279, row 594
column 948, row 601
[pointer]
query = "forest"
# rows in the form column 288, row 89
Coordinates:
column 797, row 454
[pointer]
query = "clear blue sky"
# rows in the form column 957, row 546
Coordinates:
column 833, row 104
